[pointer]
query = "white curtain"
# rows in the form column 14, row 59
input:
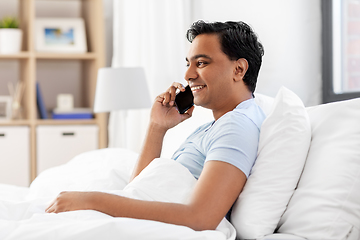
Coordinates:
column 150, row 34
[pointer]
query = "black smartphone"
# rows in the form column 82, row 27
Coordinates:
column 184, row 100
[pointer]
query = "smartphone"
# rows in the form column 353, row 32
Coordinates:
column 184, row 100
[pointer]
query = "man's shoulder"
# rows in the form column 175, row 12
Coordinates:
column 252, row 112
column 232, row 121
column 252, row 115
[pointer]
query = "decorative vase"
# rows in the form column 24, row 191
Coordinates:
column 10, row 40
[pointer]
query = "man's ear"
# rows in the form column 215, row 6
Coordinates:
column 241, row 66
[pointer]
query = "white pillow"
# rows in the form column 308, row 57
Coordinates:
column 326, row 204
column 283, row 146
column 264, row 102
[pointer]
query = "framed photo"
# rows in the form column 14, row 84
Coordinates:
column 65, row 35
column 5, row 107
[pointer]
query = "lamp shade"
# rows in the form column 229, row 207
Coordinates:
column 121, row 89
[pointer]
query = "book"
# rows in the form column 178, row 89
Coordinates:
column 75, row 113
column 40, row 102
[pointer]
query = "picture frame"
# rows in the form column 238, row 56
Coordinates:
column 60, row 35
column 5, row 107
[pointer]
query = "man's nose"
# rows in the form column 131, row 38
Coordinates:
column 191, row 73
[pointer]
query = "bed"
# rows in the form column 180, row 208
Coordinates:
column 22, row 210
column 304, row 184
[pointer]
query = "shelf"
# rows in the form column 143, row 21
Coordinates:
column 80, row 56
column 14, row 122
column 39, row 55
column 88, row 56
column 21, row 55
column 65, row 122
column 47, row 122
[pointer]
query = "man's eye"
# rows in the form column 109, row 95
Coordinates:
column 201, row 63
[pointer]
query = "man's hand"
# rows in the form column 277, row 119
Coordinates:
column 164, row 113
column 71, row 201
column 163, row 117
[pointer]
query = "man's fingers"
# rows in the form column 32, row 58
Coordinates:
column 172, row 90
column 179, row 86
column 189, row 111
column 50, row 205
column 50, row 209
column 167, row 98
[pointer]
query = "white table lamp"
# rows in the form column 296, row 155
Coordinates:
column 121, row 89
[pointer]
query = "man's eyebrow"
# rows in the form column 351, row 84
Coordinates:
column 198, row 56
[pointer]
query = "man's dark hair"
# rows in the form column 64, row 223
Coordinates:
column 237, row 40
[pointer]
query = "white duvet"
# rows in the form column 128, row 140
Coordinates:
column 22, row 210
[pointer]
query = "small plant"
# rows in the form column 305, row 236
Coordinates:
column 9, row 22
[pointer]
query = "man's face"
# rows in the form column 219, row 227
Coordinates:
column 210, row 73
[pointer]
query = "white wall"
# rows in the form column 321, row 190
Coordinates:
column 290, row 31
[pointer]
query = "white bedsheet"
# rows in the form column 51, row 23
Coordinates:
column 22, row 210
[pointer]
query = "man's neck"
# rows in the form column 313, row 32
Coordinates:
column 217, row 113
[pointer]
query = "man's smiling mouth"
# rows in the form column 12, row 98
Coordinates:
column 195, row 88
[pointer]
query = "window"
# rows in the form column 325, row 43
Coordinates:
column 341, row 49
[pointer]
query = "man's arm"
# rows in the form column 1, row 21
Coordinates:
column 151, row 148
column 217, row 189
column 163, row 117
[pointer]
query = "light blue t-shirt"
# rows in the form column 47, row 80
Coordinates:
column 233, row 138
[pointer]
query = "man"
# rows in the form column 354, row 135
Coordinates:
column 223, row 63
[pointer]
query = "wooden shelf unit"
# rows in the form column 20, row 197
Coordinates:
column 85, row 56
column 21, row 55
column 92, row 13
